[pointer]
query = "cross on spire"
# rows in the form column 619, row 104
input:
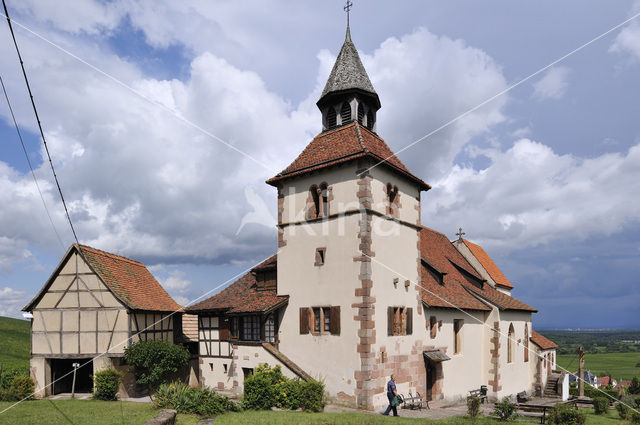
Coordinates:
column 460, row 234
column 347, row 8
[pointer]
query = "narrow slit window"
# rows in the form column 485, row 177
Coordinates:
column 320, row 256
column 324, row 196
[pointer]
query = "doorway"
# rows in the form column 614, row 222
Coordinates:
column 431, row 378
column 62, row 375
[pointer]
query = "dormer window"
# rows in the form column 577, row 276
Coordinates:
column 331, row 118
column 345, row 112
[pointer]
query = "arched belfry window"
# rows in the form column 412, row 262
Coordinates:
column 331, row 117
column 315, row 197
column 370, row 120
column 324, row 198
column 510, row 344
column 345, row 112
column 392, row 194
column 360, row 113
column 526, row 343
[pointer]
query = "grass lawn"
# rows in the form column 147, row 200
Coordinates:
column 52, row 412
column 620, row 365
column 14, row 343
column 297, row 418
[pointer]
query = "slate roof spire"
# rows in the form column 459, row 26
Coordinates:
column 348, row 75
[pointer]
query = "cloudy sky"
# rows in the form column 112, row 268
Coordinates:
column 165, row 118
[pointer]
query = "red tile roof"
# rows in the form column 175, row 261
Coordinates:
column 541, row 341
column 459, row 288
column 129, row 280
column 243, row 296
column 498, row 277
column 603, row 380
column 344, row 144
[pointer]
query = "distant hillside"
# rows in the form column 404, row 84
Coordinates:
column 14, row 343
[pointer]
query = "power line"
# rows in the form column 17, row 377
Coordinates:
column 35, row 111
column 33, row 174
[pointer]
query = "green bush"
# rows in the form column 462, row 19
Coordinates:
column 623, row 410
column 505, row 410
column 7, row 376
column 473, row 406
column 635, row 418
column 20, row 388
column 259, row 392
column 186, row 399
column 600, row 405
column 634, row 388
column 155, row 362
column 268, row 387
column 563, row 414
column 107, row 383
column 595, row 392
column 312, row 396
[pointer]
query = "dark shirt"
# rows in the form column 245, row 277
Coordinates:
column 391, row 387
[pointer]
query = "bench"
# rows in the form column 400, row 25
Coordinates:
column 535, row 411
column 479, row 393
column 414, row 402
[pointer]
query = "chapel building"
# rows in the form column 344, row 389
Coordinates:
column 360, row 289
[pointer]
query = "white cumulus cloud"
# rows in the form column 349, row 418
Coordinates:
column 553, row 84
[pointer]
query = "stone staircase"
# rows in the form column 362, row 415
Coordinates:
column 552, row 388
column 286, row 361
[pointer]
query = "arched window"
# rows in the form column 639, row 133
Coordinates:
column 331, row 117
column 324, row 198
column 510, row 344
column 345, row 112
column 360, row 113
column 392, row 193
column 315, row 196
column 526, row 343
column 370, row 120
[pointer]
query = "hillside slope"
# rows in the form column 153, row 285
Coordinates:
column 14, row 343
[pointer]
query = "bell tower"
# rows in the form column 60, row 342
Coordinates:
column 348, row 95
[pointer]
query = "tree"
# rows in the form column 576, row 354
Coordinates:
column 154, row 362
column 634, row 388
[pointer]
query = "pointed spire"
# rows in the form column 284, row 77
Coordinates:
column 348, row 74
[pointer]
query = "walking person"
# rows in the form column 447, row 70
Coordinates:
column 392, row 392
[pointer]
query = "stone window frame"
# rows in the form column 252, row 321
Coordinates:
column 399, row 320
column 321, row 256
column 510, row 345
column 433, row 329
column 392, row 204
column 318, row 203
column 458, row 325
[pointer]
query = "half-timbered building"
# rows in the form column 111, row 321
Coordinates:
column 94, row 305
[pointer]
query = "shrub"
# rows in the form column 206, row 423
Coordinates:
column 635, row 418
column 107, row 383
column 154, row 362
column 288, row 394
column 505, row 410
column 268, row 387
column 6, row 377
column 312, row 396
column 623, row 410
column 21, row 388
column 473, row 406
column 600, row 405
column 186, row 399
column 563, row 414
column 634, row 388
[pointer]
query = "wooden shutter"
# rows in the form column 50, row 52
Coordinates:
column 335, row 320
column 304, row 320
column 390, row 321
column 224, row 328
column 409, row 321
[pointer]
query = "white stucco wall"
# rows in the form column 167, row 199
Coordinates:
column 515, row 376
